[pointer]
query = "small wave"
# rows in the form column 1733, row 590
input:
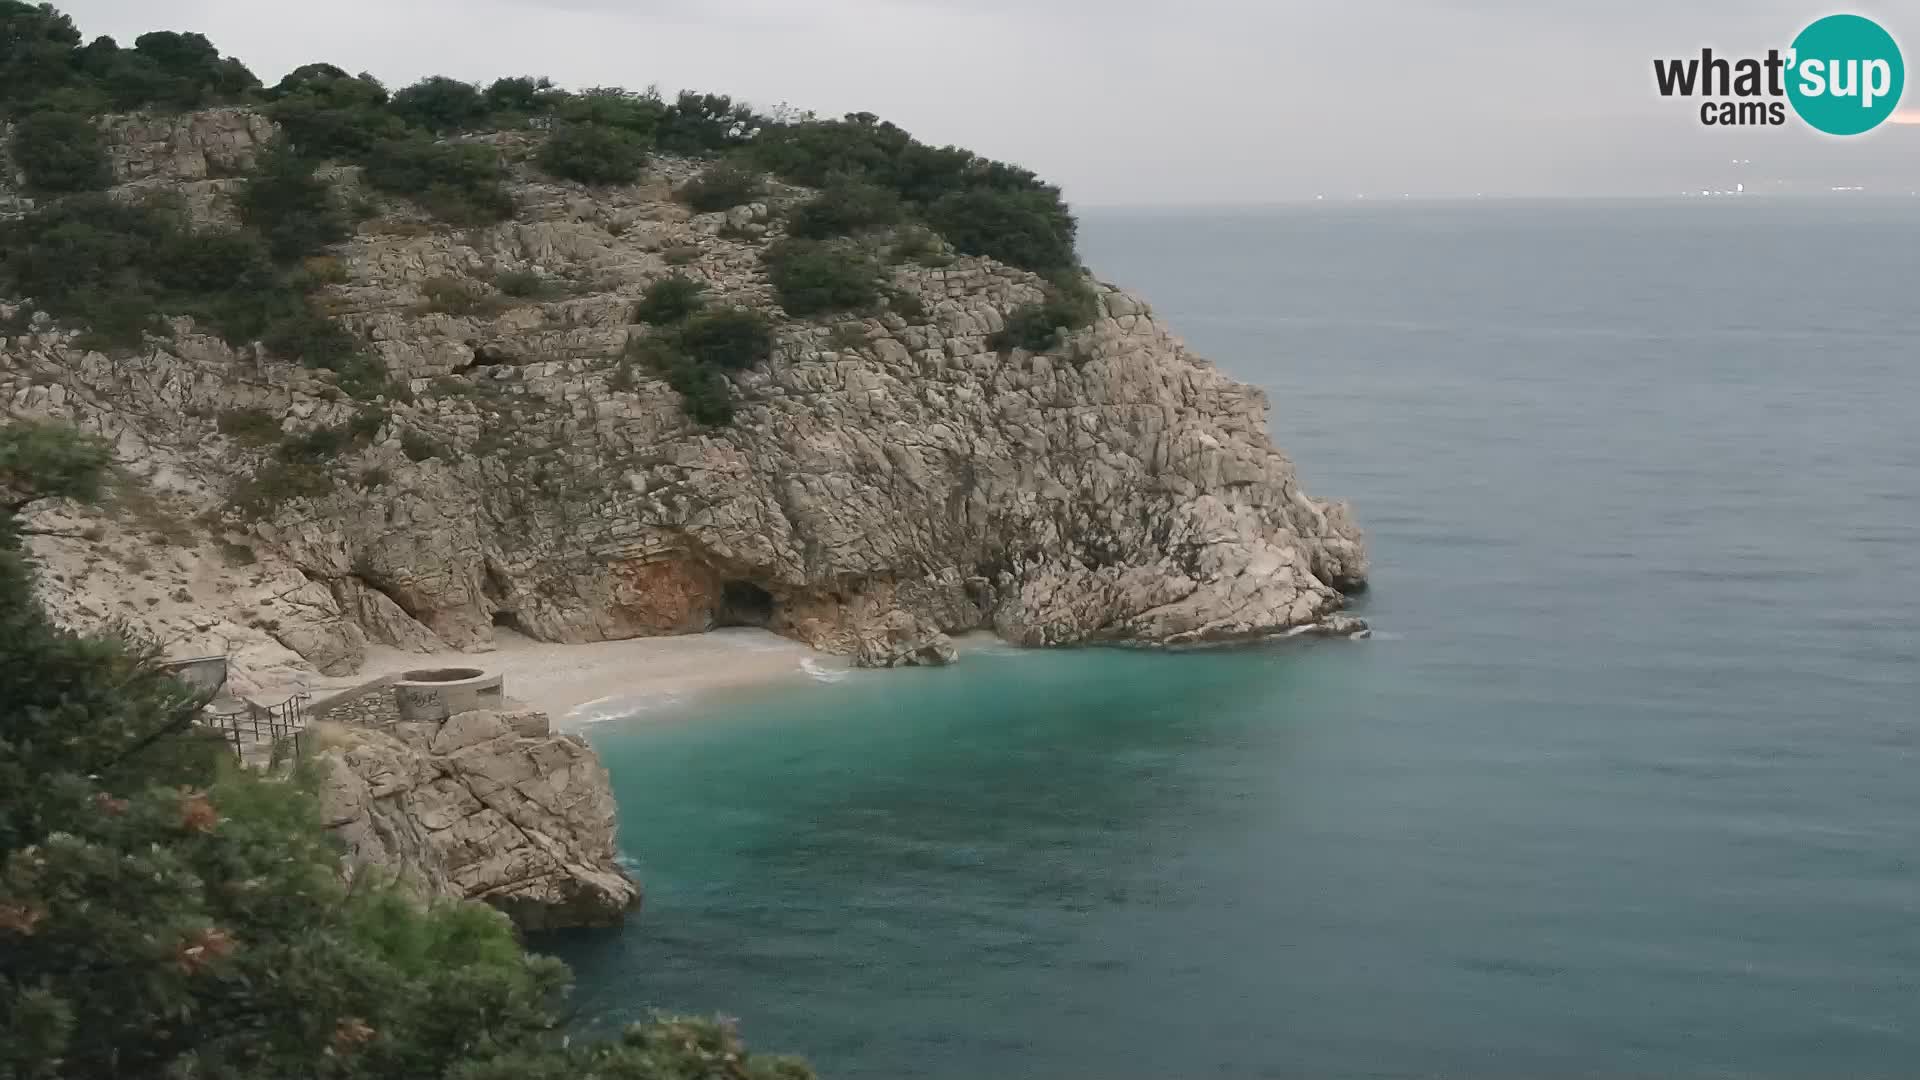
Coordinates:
column 819, row 672
column 998, row 648
column 601, row 710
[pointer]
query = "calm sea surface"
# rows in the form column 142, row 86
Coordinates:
column 1629, row 785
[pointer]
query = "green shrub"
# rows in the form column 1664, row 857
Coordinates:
column 457, row 182
column 517, row 96
column 255, row 427
column 41, row 58
column 326, row 113
column 39, row 47
column 312, row 339
column 525, row 285
column 916, row 243
column 704, row 124
column 721, row 187
column 705, row 393
column 441, row 105
column 367, row 422
column 845, row 207
column 669, row 300
column 695, row 357
column 814, row 152
column 375, row 478
column 812, row 276
column 730, row 339
column 61, row 152
column 420, row 447
column 318, row 445
column 1030, row 229
column 89, row 259
column 166, row 70
column 212, row 262
column 983, row 207
column 279, row 480
column 115, row 268
column 43, row 460
column 295, row 211
column 594, row 154
column 1069, row 305
column 636, row 113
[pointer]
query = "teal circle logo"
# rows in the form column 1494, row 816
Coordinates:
column 1846, row 75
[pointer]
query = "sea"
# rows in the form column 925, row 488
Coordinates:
column 1627, row 784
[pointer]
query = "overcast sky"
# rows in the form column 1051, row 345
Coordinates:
column 1147, row 101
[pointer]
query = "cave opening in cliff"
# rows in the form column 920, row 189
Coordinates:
column 507, row 620
column 742, row 603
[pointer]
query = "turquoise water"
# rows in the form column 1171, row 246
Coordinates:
column 1629, row 785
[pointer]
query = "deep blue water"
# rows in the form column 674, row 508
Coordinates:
column 1628, row 786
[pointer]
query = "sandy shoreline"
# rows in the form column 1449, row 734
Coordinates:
column 579, row 685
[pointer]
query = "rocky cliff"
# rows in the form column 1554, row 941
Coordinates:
column 482, row 806
column 887, row 480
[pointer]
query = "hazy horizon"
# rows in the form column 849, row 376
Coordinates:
column 1124, row 104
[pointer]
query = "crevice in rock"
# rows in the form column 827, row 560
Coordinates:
column 375, row 586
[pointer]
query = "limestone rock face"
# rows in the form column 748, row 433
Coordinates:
column 186, row 147
column 889, row 478
column 483, row 806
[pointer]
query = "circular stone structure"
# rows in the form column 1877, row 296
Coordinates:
column 432, row 695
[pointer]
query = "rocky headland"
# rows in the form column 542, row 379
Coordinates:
column 880, row 477
column 889, row 479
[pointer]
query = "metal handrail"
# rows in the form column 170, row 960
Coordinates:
column 274, row 722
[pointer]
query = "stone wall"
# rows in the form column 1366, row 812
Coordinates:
column 371, row 705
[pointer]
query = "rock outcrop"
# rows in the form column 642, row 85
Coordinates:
column 889, row 478
column 482, row 806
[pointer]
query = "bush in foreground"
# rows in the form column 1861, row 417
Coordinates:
column 164, row 913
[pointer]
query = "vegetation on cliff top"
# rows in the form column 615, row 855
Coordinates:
column 601, row 135
column 118, row 269
column 164, row 913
